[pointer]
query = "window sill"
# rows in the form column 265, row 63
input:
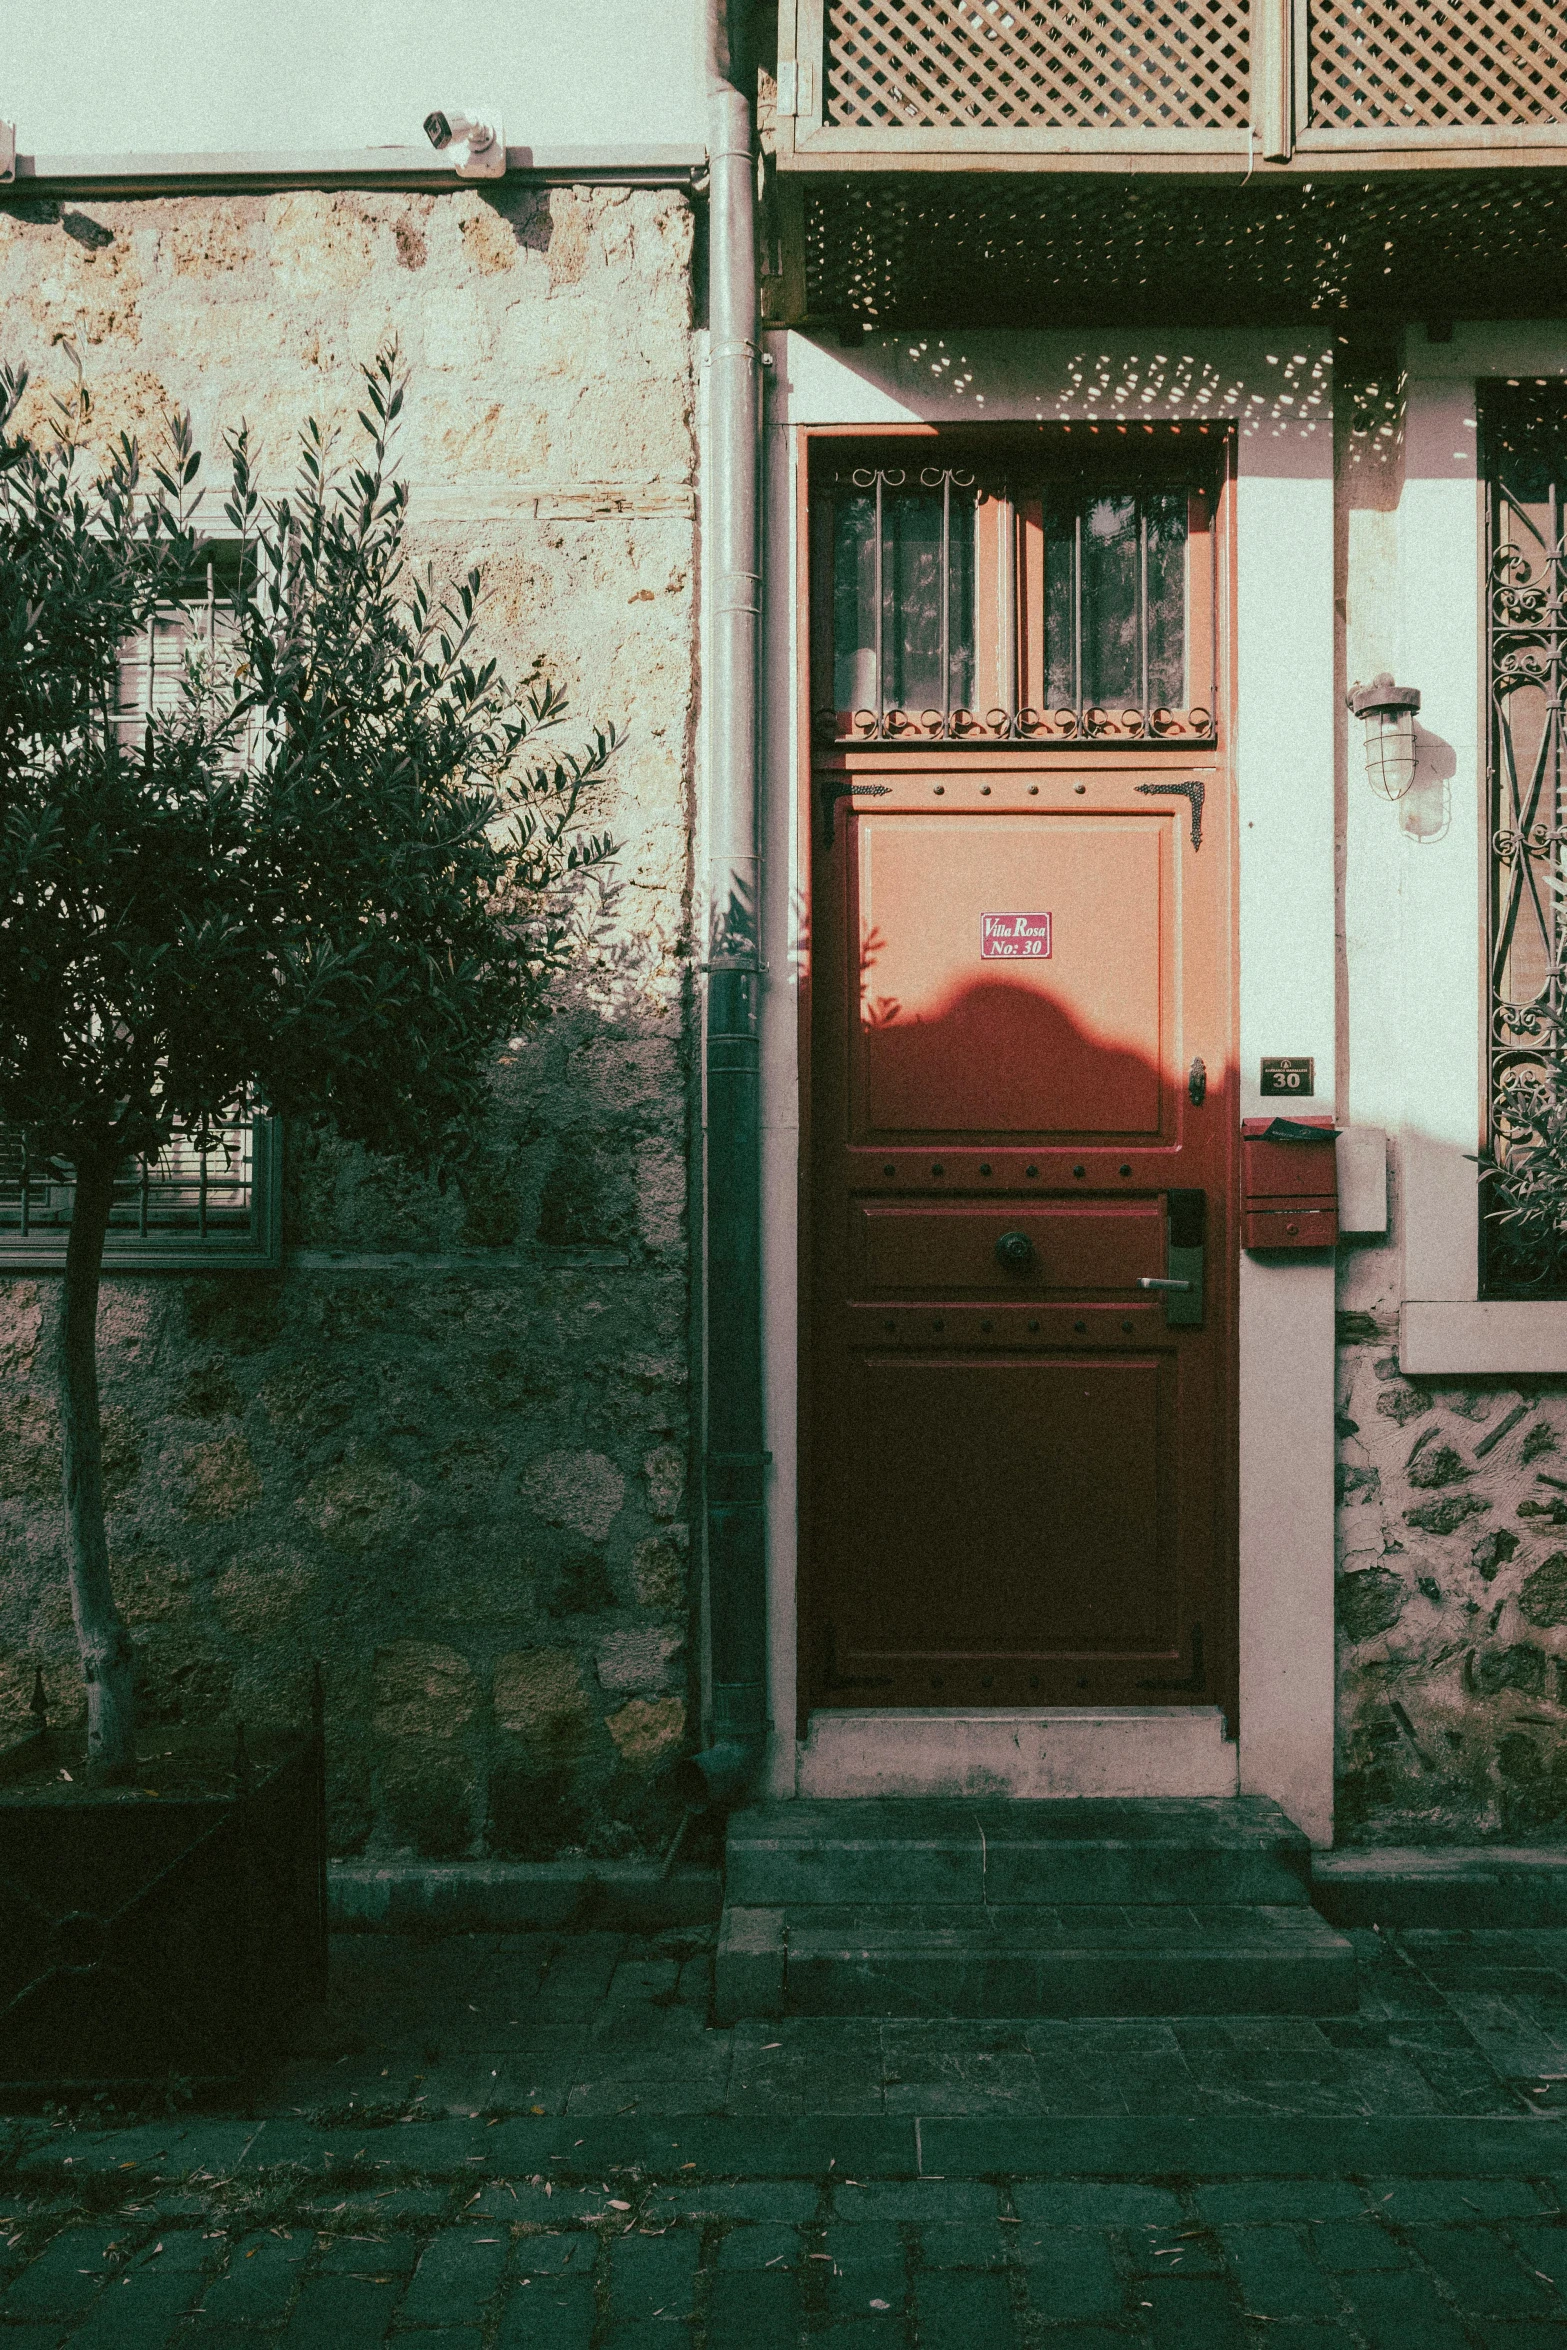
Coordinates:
column 1483, row 1338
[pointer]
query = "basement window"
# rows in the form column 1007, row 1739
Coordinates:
column 203, row 1202
column 1064, row 591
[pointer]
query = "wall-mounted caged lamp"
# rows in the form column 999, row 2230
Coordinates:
column 1387, row 712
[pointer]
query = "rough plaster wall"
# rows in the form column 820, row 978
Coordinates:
column 458, row 1478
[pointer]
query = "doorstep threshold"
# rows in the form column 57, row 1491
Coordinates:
column 1018, row 1751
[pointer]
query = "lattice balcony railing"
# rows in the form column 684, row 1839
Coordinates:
column 1263, row 80
column 1050, row 64
column 1408, row 64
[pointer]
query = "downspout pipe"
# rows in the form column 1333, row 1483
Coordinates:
column 735, row 1462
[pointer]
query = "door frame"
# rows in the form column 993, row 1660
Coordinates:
column 1278, row 611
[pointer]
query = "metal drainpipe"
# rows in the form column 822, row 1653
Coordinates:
column 735, row 1462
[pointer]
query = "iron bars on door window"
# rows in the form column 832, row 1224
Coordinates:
column 902, row 563
column 1524, row 449
column 948, row 609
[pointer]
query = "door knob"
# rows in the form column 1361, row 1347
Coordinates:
column 1015, row 1250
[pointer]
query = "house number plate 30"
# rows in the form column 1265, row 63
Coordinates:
column 1289, row 1074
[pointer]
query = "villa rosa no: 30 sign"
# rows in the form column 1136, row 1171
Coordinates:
column 1012, row 938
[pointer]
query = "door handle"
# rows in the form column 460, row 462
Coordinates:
column 1015, row 1250
column 1185, row 1222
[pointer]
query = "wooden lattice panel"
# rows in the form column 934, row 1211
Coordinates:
column 1409, row 64
column 897, row 251
column 1039, row 64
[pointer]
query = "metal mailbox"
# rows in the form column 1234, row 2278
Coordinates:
column 1290, row 1173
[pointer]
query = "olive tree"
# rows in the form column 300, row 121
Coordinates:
column 324, row 878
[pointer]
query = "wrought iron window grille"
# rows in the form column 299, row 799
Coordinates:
column 1000, row 590
column 1524, row 457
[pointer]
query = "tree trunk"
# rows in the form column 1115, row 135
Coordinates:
column 101, row 1636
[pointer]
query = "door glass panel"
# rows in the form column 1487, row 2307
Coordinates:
column 1061, row 649
column 854, row 602
column 1116, row 600
column 1112, row 604
column 912, row 615
column 1169, row 665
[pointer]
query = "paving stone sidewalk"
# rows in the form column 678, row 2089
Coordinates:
column 605, row 2025
column 537, row 2143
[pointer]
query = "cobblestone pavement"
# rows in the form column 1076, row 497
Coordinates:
column 536, row 2143
column 951, row 2264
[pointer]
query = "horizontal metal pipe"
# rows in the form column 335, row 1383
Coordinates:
column 200, row 173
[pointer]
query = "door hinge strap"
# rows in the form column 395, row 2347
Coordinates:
column 1192, row 791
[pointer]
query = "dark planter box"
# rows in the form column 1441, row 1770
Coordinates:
column 144, row 1939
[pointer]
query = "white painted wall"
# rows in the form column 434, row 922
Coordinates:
column 92, row 77
column 1279, row 394
column 1288, row 1003
column 1416, row 875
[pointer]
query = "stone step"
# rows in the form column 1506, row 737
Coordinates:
column 935, row 1959
column 1027, row 1752
column 1079, row 1851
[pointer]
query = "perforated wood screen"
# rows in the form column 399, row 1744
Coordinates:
column 1379, row 64
column 1043, row 64
column 902, row 252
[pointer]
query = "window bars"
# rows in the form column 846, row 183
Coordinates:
column 1524, row 448
column 944, row 610
column 211, row 1194
column 182, row 642
column 205, row 1199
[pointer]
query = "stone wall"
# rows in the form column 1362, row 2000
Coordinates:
column 445, row 1451
column 1452, row 1602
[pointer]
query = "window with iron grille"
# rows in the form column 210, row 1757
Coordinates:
column 1071, row 600
column 1524, row 456
column 212, row 1196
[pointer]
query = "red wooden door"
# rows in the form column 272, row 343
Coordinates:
column 1019, row 1468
